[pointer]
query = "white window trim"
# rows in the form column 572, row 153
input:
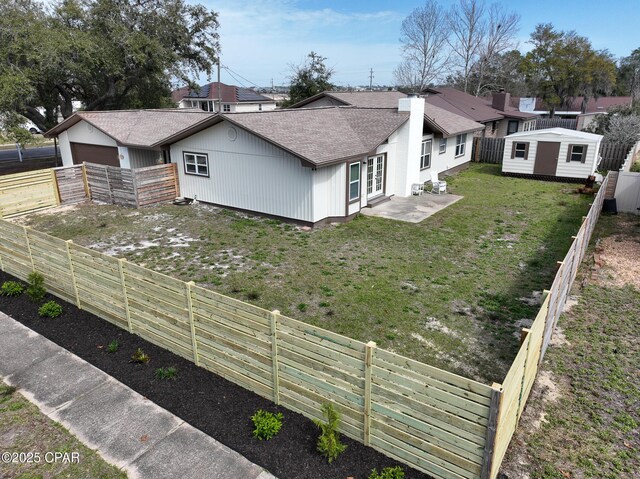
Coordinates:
column 426, row 155
column 226, row 108
column 579, row 160
column 461, row 145
column 516, row 150
column 194, row 161
column 353, row 181
column 443, row 143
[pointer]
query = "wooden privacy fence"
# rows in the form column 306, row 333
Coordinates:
column 29, row 191
column 138, row 187
column 440, row 423
column 613, row 155
column 516, row 387
column 427, row 418
column 488, row 150
column 544, row 123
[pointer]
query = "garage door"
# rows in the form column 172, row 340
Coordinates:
column 102, row 155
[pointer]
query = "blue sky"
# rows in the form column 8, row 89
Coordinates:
column 261, row 39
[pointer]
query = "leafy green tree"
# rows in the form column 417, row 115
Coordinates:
column 628, row 82
column 563, row 65
column 107, row 54
column 309, row 79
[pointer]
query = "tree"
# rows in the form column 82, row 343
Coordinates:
column 107, row 54
column 467, row 32
column 624, row 129
column 308, row 79
column 628, row 79
column 562, row 66
column 502, row 71
column 424, row 38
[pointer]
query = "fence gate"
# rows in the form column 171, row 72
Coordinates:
column 488, row 150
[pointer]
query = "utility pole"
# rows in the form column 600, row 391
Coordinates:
column 371, row 80
column 219, row 94
column 272, row 85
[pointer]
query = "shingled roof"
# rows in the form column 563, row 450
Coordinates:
column 143, row 128
column 228, row 93
column 448, row 123
column 362, row 99
column 322, row 136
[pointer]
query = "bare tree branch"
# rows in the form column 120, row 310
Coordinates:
column 468, row 28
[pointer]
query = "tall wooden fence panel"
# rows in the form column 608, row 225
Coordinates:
column 430, row 419
column 111, row 184
column 71, row 184
column 155, row 184
column 613, row 155
column 30, row 191
column 544, row 123
column 488, row 150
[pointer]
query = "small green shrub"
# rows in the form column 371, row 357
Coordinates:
column 635, row 168
column 302, row 307
column 11, row 288
column 267, row 424
column 166, row 373
column 140, row 357
column 36, row 290
column 329, row 444
column 388, row 473
column 50, row 309
column 113, row 346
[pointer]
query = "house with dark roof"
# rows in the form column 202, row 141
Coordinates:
column 496, row 113
column 446, row 134
column 311, row 165
column 219, row 97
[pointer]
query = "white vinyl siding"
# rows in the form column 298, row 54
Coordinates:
column 141, row 158
column 329, row 192
column 247, row 173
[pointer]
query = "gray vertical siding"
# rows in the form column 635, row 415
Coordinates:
column 140, row 158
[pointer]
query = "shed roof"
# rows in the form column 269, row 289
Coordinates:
column 563, row 132
column 143, row 128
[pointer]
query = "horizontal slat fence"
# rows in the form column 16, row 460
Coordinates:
column 430, row 419
column 30, row 191
column 155, row 184
column 518, row 382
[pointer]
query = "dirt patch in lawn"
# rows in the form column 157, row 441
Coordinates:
column 620, row 261
column 206, row 401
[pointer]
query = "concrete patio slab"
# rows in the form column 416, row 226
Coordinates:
column 412, row 209
column 127, row 429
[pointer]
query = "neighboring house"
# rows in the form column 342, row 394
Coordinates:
column 126, row 138
column 496, row 113
column 577, row 108
column 446, row 137
column 554, row 152
column 311, row 165
column 232, row 99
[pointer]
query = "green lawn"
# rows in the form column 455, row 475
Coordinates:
column 23, row 428
column 591, row 421
column 452, row 291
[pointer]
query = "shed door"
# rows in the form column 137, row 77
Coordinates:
column 547, row 158
column 102, row 155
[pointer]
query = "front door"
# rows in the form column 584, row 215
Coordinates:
column 375, row 176
column 546, row 158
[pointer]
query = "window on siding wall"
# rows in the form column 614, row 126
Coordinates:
column 354, row 181
column 461, row 142
column 577, row 153
column 520, row 150
column 425, row 155
column 442, row 148
column 512, row 127
column 226, row 108
column 196, row 164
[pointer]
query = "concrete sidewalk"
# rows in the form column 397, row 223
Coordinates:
column 128, row 430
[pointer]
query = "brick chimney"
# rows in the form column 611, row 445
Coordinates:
column 500, row 101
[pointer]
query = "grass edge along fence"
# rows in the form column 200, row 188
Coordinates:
column 435, row 421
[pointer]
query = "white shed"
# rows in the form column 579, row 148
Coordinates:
column 554, row 152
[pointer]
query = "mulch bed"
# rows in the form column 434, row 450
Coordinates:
column 210, row 403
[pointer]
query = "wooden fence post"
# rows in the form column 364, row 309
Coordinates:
column 176, row 178
column 56, row 187
column 492, row 430
column 121, row 263
column 192, row 325
column 73, row 275
column 85, row 180
column 368, row 363
column 26, row 236
column 274, row 355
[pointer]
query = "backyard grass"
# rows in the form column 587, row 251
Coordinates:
column 452, row 291
column 23, row 428
column 583, row 419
